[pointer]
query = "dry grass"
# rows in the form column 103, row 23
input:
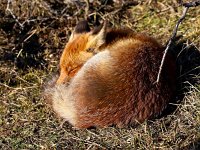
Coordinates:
column 30, row 54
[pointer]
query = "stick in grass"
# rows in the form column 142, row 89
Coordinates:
column 186, row 7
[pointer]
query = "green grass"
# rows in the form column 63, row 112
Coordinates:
column 28, row 57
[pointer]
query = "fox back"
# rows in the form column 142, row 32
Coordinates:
column 114, row 83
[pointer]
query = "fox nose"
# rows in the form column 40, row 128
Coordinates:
column 60, row 81
column 62, row 78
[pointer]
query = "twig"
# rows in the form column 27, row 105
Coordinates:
column 186, row 7
column 14, row 17
column 192, row 4
column 87, row 8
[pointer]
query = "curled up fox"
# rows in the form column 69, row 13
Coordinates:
column 107, row 77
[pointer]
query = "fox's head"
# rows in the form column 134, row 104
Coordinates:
column 81, row 46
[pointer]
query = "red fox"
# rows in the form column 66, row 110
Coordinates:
column 107, row 77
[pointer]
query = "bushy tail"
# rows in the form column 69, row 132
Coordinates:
column 60, row 98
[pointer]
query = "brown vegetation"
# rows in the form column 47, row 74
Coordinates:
column 30, row 47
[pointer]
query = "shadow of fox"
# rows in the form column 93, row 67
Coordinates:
column 107, row 77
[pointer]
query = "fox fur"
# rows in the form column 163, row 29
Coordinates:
column 107, row 77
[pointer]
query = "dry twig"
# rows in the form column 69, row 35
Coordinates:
column 14, row 17
column 87, row 9
column 171, row 40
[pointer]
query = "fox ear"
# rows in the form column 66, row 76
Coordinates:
column 99, row 34
column 81, row 27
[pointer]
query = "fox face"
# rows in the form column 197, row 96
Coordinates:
column 81, row 46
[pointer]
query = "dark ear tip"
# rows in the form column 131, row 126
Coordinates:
column 97, row 29
column 82, row 27
column 82, row 22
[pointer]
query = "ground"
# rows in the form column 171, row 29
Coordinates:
column 32, row 37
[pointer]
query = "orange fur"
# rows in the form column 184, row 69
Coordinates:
column 117, row 85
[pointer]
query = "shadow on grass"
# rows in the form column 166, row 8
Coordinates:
column 27, row 51
column 188, row 69
column 193, row 146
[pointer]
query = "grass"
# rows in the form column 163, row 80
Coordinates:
column 30, row 55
